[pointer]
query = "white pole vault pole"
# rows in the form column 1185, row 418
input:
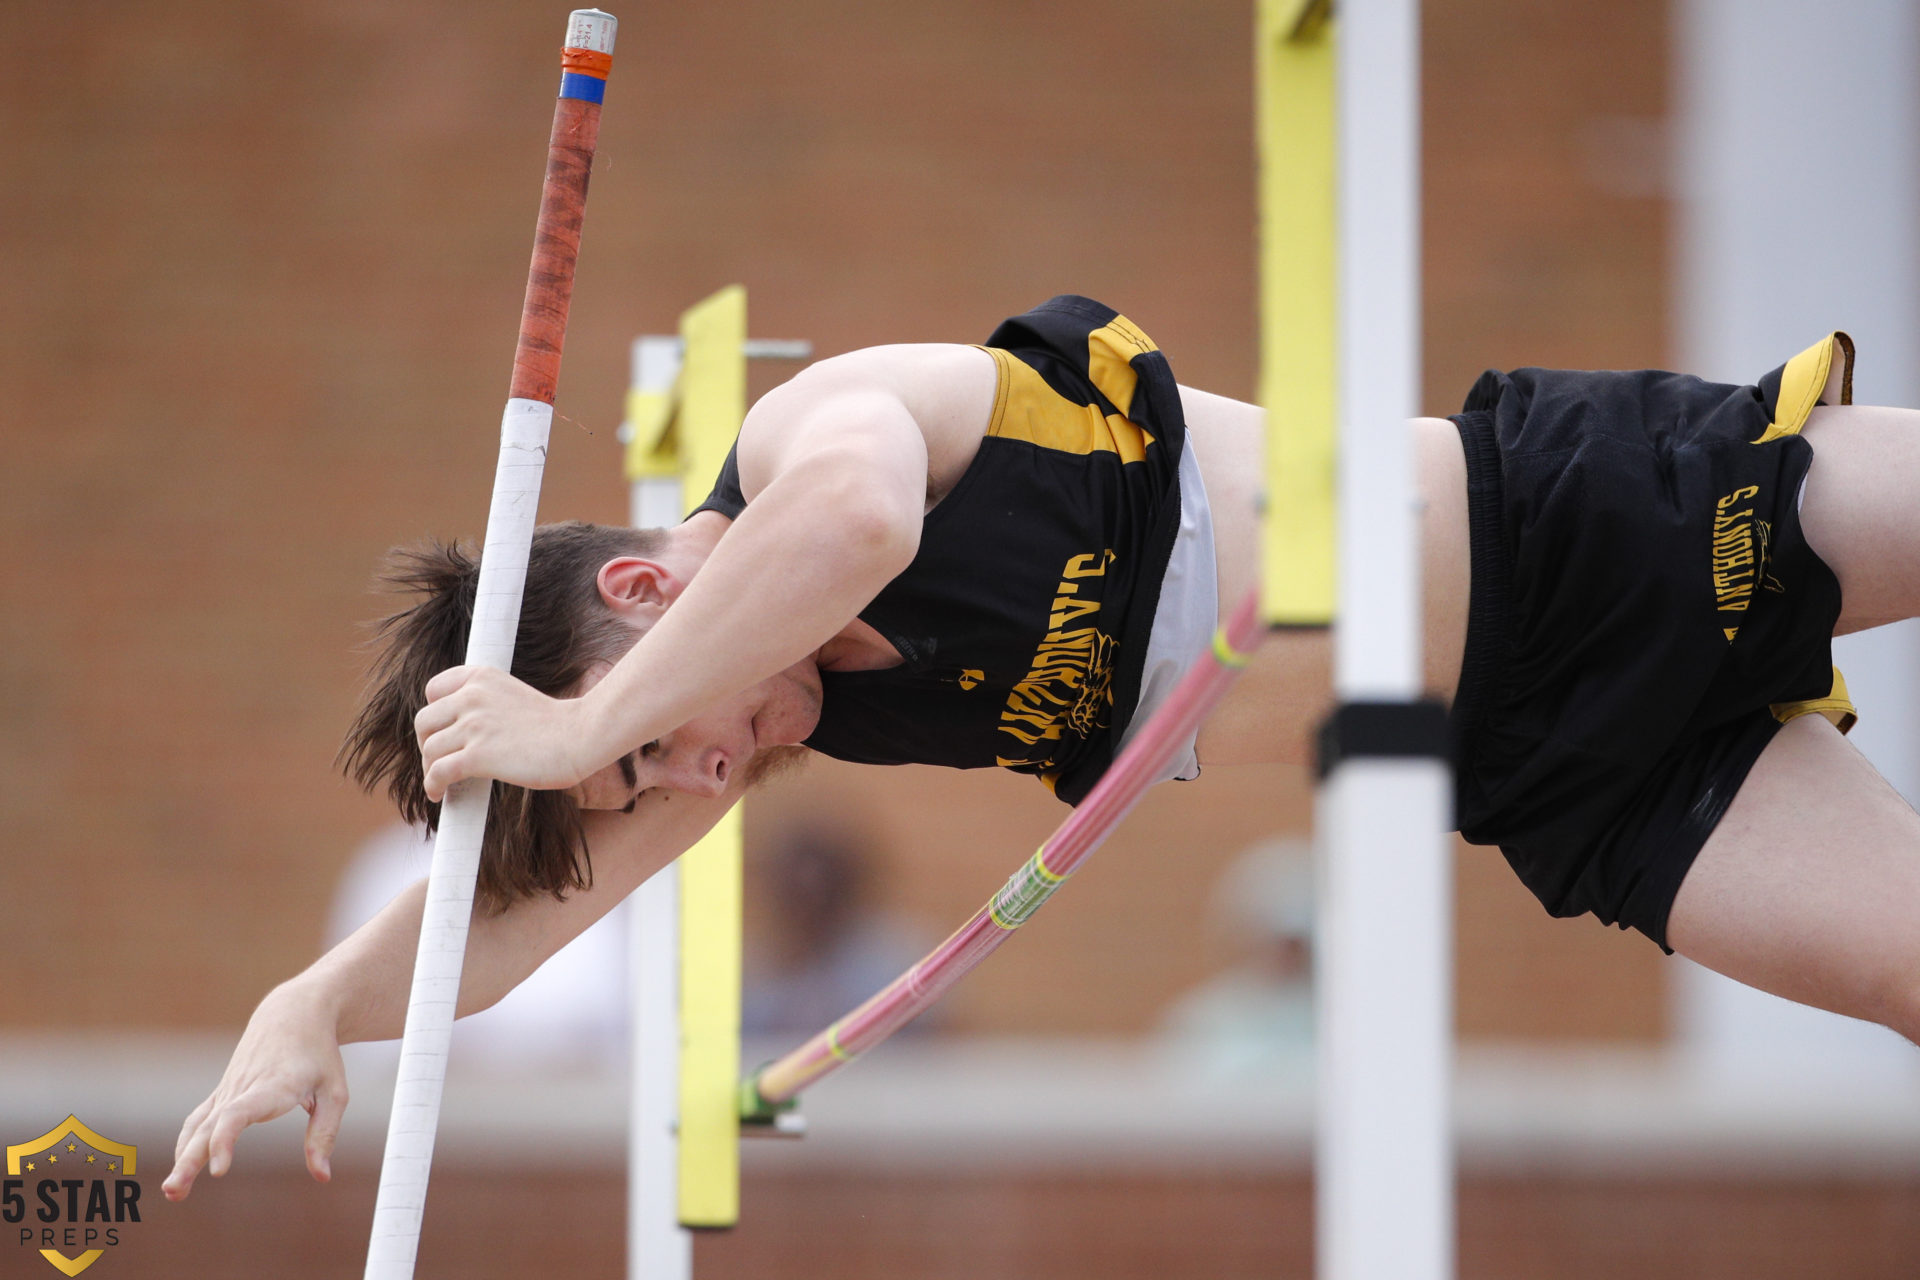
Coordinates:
column 401, row 1202
column 1384, row 1176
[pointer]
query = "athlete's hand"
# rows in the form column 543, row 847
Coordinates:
column 289, row 1057
column 480, row 722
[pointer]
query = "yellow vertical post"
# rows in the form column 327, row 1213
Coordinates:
column 1295, row 134
column 652, row 452
column 712, row 403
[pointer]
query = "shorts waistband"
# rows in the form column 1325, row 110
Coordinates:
column 1491, row 565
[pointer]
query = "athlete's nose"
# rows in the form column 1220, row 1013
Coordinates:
column 699, row 772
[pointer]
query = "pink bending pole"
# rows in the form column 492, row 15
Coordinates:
column 1110, row 801
column 442, row 954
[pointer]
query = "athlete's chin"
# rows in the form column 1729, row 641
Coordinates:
column 809, row 695
column 788, row 720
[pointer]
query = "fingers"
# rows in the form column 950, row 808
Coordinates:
column 447, row 681
column 256, row 1106
column 440, row 733
column 206, row 1142
column 485, row 724
column 179, row 1183
column 438, row 729
column 442, row 774
column 189, row 1160
column 220, row 1139
column 435, row 717
column 190, row 1127
column 328, row 1106
column 289, row 1056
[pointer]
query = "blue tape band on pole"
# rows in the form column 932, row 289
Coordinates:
column 585, row 88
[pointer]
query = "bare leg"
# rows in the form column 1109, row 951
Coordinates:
column 1810, row 886
column 1860, row 512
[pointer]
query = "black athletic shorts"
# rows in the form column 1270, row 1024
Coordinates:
column 1644, row 615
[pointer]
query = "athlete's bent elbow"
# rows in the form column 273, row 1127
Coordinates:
column 873, row 525
column 882, row 539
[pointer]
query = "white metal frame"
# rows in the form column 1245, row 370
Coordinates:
column 1384, row 1149
column 658, row 1246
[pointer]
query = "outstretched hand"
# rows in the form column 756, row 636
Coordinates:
column 288, row 1058
column 480, row 722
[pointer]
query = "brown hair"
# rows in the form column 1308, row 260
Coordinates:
column 534, row 842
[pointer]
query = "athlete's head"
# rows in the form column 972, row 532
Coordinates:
column 591, row 592
column 534, row 842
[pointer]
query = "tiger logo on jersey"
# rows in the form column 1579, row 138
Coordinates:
column 1069, row 686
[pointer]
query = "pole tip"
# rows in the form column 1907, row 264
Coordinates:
column 591, row 29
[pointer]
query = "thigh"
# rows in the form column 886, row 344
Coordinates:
column 1440, row 472
column 1809, row 887
column 1860, row 513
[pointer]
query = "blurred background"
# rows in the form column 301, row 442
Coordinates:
column 263, row 265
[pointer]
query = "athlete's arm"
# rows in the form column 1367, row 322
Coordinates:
column 836, row 469
column 289, row 1054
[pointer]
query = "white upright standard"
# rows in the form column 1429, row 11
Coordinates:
column 1384, row 1174
column 658, row 1247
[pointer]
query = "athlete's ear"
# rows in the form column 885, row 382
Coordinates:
column 629, row 583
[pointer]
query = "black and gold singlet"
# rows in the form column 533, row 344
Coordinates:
column 1023, row 620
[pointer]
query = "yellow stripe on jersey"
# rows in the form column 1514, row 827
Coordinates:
column 1110, row 353
column 1026, row 408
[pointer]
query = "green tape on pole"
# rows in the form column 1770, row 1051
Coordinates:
column 1024, row 893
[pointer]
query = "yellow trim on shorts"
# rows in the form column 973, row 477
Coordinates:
column 1837, row 707
column 1803, row 384
column 1804, row 380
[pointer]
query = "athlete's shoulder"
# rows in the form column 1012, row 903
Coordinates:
column 943, row 393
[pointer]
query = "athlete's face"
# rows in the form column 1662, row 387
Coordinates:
column 743, row 740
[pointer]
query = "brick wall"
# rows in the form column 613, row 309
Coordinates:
column 263, row 264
